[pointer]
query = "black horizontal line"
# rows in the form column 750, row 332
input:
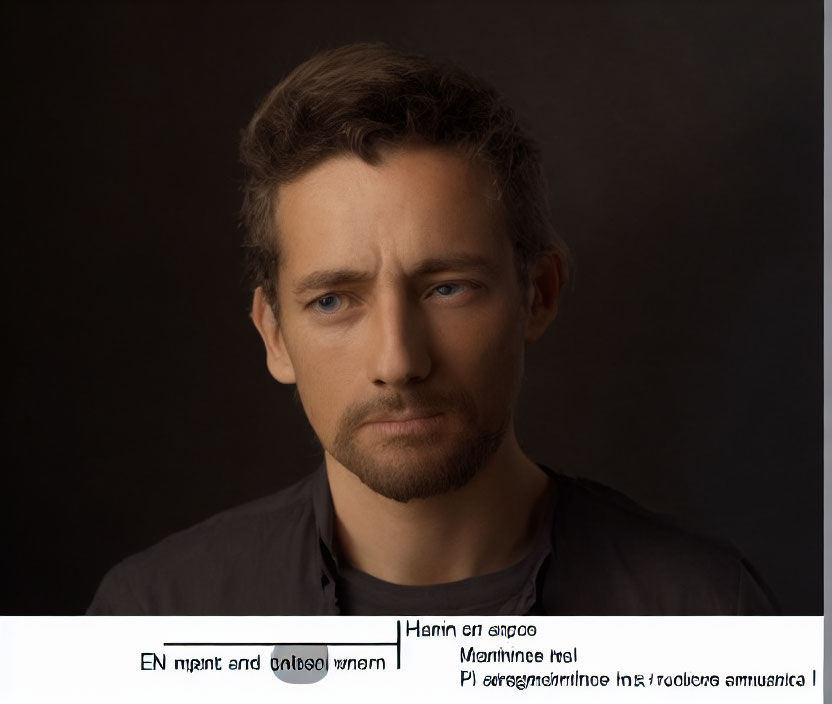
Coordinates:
column 265, row 644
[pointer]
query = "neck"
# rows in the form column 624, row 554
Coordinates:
column 484, row 526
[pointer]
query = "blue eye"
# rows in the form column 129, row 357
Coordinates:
column 448, row 290
column 329, row 303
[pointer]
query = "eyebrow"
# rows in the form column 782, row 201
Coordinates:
column 333, row 278
column 330, row 278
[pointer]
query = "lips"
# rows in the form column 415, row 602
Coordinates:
column 409, row 424
column 403, row 418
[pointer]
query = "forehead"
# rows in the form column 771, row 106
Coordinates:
column 415, row 204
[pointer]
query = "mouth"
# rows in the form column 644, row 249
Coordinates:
column 408, row 424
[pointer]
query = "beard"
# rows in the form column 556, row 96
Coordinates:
column 406, row 467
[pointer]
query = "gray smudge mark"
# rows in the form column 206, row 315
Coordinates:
column 300, row 664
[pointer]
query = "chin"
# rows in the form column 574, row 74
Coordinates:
column 420, row 471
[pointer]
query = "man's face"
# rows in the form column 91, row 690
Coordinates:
column 401, row 318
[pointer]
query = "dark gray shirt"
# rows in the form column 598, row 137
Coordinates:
column 598, row 553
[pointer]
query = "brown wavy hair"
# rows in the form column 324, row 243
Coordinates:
column 362, row 98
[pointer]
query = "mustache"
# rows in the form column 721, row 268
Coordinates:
column 419, row 401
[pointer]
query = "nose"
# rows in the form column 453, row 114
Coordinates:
column 399, row 351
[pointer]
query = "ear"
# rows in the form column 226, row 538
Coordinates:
column 543, row 294
column 277, row 357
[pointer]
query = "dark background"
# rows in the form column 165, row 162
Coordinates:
column 683, row 142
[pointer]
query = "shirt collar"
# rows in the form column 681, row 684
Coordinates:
column 325, row 524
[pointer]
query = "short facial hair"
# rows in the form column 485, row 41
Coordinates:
column 436, row 472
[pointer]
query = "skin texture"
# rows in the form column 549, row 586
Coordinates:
column 403, row 324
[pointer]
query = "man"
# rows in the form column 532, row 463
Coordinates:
column 402, row 256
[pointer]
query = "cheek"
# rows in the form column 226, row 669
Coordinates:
column 486, row 356
column 320, row 381
column 503, row 369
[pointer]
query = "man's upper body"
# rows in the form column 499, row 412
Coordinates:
column 597, row 553
column 402, row 257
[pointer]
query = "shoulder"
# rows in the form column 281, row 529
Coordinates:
column 634, row 561
column 233, row 562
